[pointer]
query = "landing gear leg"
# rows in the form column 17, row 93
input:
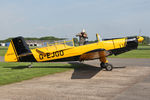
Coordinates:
column 104, row 62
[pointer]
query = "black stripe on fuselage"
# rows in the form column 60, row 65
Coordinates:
column 96, row 50
column 118, row 38
column 27, row 58
column 74, row 58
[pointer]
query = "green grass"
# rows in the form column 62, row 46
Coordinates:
column 16, row 72
column 141, row 52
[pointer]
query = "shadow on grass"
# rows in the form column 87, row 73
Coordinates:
column 81, row 71
column 17, row 67
column 23, row 67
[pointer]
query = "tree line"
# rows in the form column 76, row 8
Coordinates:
column 50, row 38
column 146, row 40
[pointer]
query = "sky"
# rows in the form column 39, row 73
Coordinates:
column 66, row 18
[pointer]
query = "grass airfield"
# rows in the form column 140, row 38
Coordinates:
column 16, row 72
column 86, row 82
column 129, row 79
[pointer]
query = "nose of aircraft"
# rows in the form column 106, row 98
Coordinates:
column 140, row 39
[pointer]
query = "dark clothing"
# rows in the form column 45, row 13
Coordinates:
column 82, row 38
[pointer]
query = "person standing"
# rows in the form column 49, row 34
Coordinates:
column 82, row 37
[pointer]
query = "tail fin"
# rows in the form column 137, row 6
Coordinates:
column 17, row 47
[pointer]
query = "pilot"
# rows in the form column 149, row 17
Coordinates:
column 82, row 37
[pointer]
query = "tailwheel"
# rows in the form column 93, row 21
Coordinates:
column 107, row 66
column 30, row 66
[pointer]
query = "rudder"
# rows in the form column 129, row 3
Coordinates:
column 18, row 47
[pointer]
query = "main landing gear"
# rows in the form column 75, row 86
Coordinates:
column 107, row 66
column 104, row 62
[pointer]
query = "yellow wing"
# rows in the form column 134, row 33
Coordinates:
column 94, row 54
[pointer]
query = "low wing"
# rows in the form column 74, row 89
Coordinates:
column 94, row 54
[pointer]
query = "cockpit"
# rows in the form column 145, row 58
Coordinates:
column 72, row 43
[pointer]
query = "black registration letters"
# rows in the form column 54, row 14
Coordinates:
column 51, row 55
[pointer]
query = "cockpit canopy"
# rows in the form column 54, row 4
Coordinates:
column 73, row 42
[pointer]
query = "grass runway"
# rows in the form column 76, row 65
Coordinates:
column 16, row 72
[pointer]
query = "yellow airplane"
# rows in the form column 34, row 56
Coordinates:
column 18, row 50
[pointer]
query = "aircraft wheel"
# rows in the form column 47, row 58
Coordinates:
column 30, row 66
column 102, row 65
column 108, row 67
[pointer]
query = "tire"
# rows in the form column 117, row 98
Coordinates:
column 108, row 67
column 30, row 66
column 102, row 65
